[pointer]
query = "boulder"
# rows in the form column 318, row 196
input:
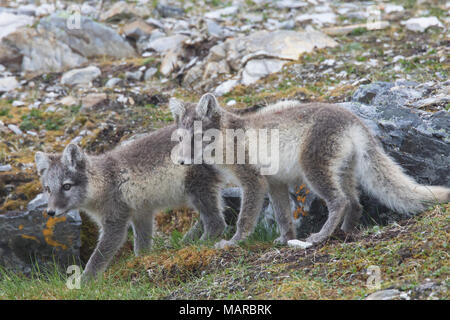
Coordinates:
column 11, row 22
column 93, row 39
column 36, row 56
column 32, row 237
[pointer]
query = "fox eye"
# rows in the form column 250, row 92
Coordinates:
column 67, row 186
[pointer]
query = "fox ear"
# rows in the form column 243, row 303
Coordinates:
column 177, row 108
column 73, row 157
column 42, row 162
column 207, row 106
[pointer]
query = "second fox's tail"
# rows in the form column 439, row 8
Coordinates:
column 384, row 179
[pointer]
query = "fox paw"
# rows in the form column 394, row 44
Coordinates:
column 316, row 238
column 225, row 243
column 280, row 240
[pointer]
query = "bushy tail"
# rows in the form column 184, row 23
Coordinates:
column 382, row 178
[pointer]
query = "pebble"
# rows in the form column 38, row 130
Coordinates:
column 299, row 244
column 15, row 129
column 5, row 168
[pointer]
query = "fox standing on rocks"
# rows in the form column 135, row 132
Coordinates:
column 128, row 185
column 323, row 145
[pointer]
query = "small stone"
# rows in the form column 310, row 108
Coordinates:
column 421, row 24
column 291, row 4
column 318, row 18
column 389, row 8
column 8, row 84
column 231, row 103
column 226, row 87
column 81, row 77
column 68, row 101
column 214, row 29
column 149, row 73
column 299, row 244
column 119, row 11
column 15, row 129
column 112, row 82
column 137, row 29
column 92, row 100
column 166, row 11
column 218, row 14
column 165, row 44
column 389, row 294
column 133, row 75
column 18, row 103
column 258, row 68
column 5, row 168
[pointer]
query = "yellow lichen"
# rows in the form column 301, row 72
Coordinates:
column 49, row 229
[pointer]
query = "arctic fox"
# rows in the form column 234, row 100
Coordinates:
column 128, row 185
column 325, row 146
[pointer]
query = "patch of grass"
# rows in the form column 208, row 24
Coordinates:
column 358, row 31
column 407, row 253
column 4, row 112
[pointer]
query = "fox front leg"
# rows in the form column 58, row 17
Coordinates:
column 143, row 230
column 254, row 188
column 112, row 237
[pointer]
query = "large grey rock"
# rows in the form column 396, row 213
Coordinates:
column 91, row 40
column 419, row 141
column 42, row 53
column 11, row 22
column 32, row 237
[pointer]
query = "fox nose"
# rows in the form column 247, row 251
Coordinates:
column 181, row 162
column 51, row 213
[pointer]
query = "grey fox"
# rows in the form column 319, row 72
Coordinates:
column 323, row 145
column 128, row 185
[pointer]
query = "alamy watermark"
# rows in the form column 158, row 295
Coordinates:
column 374, row 280
column 74, row 279
column 258, row 147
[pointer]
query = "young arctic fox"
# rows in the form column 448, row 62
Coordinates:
column 128, row 185
column 325, row 146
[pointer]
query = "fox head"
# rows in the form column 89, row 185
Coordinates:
column 64, row 179
column 207, row 112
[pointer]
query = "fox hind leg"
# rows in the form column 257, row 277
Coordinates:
column 328, row 186
column 142, row 229
column 349, row 185
column 279, row 198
